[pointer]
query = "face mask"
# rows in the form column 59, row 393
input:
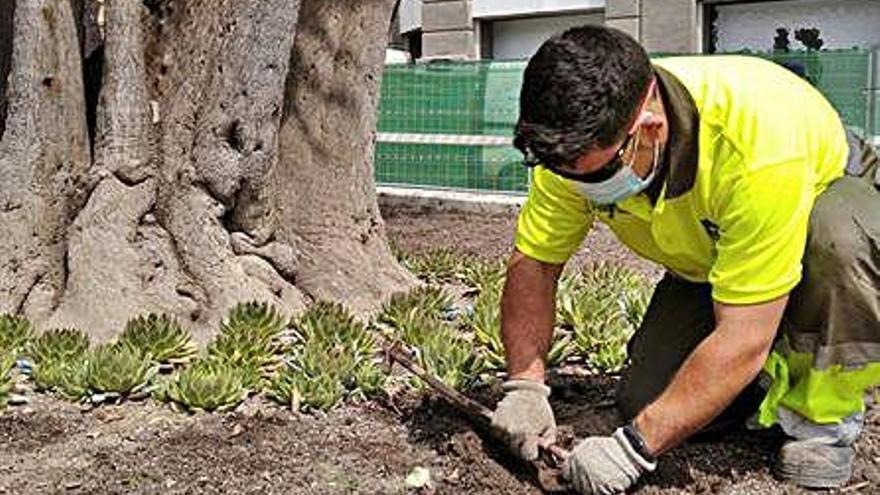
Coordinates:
column 623, row 184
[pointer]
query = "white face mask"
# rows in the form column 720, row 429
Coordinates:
column 623, row 184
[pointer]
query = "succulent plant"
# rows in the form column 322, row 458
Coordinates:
column 484, row 321
column 58, row 345
column 59, row 357
column 369, row 379
column 443, row 353
column 119, row 368
column 405, row 312
column 260, row 320
column 161, row 338
column 7, row 377
column 293, row 388
column 602, row 305
column 435, row 266
column 332, row 324
column 249, row 339
column 207, row 384
column 483, row 276
column 15, row 331
column 560, row 349
column 73, row 379
column 333, row 359
column 602, row 343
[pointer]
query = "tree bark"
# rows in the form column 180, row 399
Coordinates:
column 331, row 212
column 192, row 202
column 44, row 157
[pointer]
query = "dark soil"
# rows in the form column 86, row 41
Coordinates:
column 51, row 446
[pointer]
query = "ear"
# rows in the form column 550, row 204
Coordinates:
column 652, row 124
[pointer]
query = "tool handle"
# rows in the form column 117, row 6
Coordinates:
column 464, row 402
column 474, row 408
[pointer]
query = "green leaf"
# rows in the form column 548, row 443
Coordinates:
column 15, row 332
column 160, row 337
column 57, row 346
column 7, row 377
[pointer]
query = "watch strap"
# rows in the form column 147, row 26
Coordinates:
column 637, row 441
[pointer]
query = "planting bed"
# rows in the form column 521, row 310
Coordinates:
column 53, row 446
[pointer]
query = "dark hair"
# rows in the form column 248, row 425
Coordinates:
column 579, row 92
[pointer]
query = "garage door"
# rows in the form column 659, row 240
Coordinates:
column 520, row 38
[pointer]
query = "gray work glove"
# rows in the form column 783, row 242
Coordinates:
column 605, row 465
column 524, row 416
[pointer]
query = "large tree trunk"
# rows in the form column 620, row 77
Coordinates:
column 331, row 213
column 232, row 161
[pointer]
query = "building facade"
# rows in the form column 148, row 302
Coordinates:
column 513, row 29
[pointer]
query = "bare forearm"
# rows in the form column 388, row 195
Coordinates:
column 715, row 373
column 527, row 314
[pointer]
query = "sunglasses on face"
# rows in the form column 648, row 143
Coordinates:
column 603, row 173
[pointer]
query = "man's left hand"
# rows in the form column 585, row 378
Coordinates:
column 605, row 465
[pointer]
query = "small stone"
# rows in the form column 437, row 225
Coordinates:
column 71, row 485
column 420, row 477
column 236, row 431
column 454, row 477
column 18, row 400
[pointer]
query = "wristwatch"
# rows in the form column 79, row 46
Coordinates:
column 637, row 441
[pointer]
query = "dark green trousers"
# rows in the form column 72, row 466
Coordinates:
column 832, row 315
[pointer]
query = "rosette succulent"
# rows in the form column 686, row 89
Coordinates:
column 207, row 384
column 298, row 390
column 119, row 368
column 405, row 312
column 443, row 353
column 59, row 356
column 601, row 306
column 58, row 344
column 333, row 359
column 15, row 332
column 435, row 266
column 249, row 339
column 161, row 338
column 333, row 325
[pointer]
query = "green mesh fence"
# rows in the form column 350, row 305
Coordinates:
column 843, row 76
column 449, row 124
column 457, row 100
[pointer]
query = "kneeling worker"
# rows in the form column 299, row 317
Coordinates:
column 739, row 178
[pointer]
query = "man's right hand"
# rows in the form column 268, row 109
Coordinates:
column 524, row 417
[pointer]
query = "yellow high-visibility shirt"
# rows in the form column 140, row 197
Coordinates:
column 751, row 147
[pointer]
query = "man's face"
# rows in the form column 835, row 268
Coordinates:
column 635, row 149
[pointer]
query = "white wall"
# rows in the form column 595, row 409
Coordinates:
column 843, row 23
column 520, row 38
column 410, row 12
column 508, row 8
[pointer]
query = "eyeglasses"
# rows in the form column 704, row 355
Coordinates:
column 605, row 171
column 602, row 173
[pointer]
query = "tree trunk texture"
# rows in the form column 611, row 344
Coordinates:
column 331, row 214
column 231, row 160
